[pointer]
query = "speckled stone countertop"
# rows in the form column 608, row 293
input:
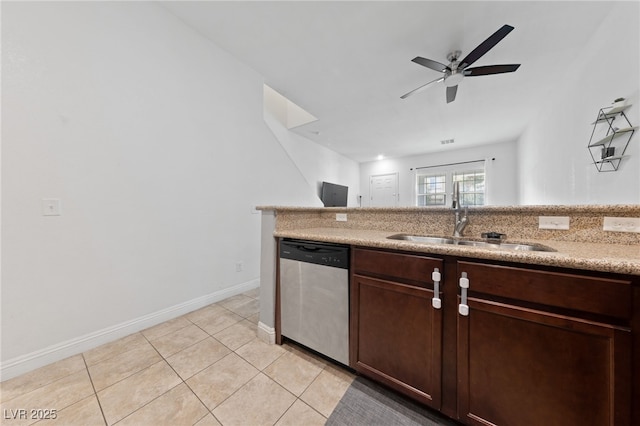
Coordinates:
column 541, row 209
column 584, row 246
column 618, row 258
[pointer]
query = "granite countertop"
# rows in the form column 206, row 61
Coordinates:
column 617, row 258
column 542, row 209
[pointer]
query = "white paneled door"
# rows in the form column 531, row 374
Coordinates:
column 384, row 190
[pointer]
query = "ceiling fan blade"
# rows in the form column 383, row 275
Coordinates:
column 421, row 88
column 434, row 65
column 451, row 93
column 490, row 69
column 485, row 46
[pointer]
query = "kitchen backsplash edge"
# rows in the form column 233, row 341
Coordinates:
column 517, row 222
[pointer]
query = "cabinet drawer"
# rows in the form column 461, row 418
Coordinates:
column 603, row 296
column 404, row 267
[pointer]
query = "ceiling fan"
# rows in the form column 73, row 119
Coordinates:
column 457, row 70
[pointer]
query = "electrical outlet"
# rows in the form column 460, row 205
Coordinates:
column 51, row 207
column 621, row 224
column 341, row 217
column 553, row 222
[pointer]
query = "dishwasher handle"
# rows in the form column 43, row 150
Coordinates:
column 319, row 253
column 307, row 248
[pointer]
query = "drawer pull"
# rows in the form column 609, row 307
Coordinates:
column 436, row 302
column 463, row 308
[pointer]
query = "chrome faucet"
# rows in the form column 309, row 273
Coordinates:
column 461, row 222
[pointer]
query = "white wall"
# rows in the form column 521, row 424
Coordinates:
column 315, row 162
column 555, row 164
column 501, row 173
column 154, row 140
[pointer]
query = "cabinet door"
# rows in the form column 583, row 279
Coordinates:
column 519, row 366
column 397, row 336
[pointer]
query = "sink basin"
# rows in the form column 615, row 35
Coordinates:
column 422, row 239
column 505, row 246
column 469, row 242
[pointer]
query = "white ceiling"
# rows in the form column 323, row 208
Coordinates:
column 348, row 63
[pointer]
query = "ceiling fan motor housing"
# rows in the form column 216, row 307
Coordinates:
column 453, row 56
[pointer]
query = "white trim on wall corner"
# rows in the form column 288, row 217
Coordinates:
column 266, row 334
column 28, row 362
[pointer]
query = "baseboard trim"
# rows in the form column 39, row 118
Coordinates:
column 28, row 362
column 266, row 334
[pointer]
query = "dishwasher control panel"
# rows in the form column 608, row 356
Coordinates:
column 335, row 255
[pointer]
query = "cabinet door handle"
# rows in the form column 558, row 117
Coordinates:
column 463, row 308
column 436, row 302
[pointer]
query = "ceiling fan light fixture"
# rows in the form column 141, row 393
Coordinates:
column 454, row 79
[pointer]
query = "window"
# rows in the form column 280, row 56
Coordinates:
column 471, row 187
column 434, row 185
column 431, row 190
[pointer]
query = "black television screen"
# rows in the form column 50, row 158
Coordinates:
column 334, row 195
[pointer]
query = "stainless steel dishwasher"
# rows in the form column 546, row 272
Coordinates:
column 314, row 296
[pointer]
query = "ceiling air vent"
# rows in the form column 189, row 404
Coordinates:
column 446, row 141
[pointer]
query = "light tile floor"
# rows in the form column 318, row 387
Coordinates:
column 204, row 368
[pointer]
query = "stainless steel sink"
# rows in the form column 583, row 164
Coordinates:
column 505, row 246
column 422, row 239
column 469, row 242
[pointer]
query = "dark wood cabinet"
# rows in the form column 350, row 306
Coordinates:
column 538, row 346
column 396, row 333
column 517, row 366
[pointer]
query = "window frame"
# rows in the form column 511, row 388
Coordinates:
column 451, row 172
column 440, row 180
column 468, row 179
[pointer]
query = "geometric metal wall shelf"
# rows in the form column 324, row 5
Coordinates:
column 609, row 140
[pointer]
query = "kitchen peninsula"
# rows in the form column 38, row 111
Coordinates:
column 527, row 337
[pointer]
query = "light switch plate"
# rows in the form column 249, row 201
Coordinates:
column 51, row 207
column 341, row 217
column 553, row 222
column 621, row 224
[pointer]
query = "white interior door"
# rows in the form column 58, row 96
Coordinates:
column 384, row 190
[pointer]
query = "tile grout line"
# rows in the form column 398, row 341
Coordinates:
column 162, row 359
column 183, row 381
column 234, row 351
column 42, row 385
column 4, row 403
column 167, row 333
column 312, row 382
column 111, row 356
column 181, row 378
column 231, row 351
column 297, row 398
column 230, row 395
column 219, row 331
column 130, row 375
column 164, row 393
column 95, row 392
column 243, row 317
